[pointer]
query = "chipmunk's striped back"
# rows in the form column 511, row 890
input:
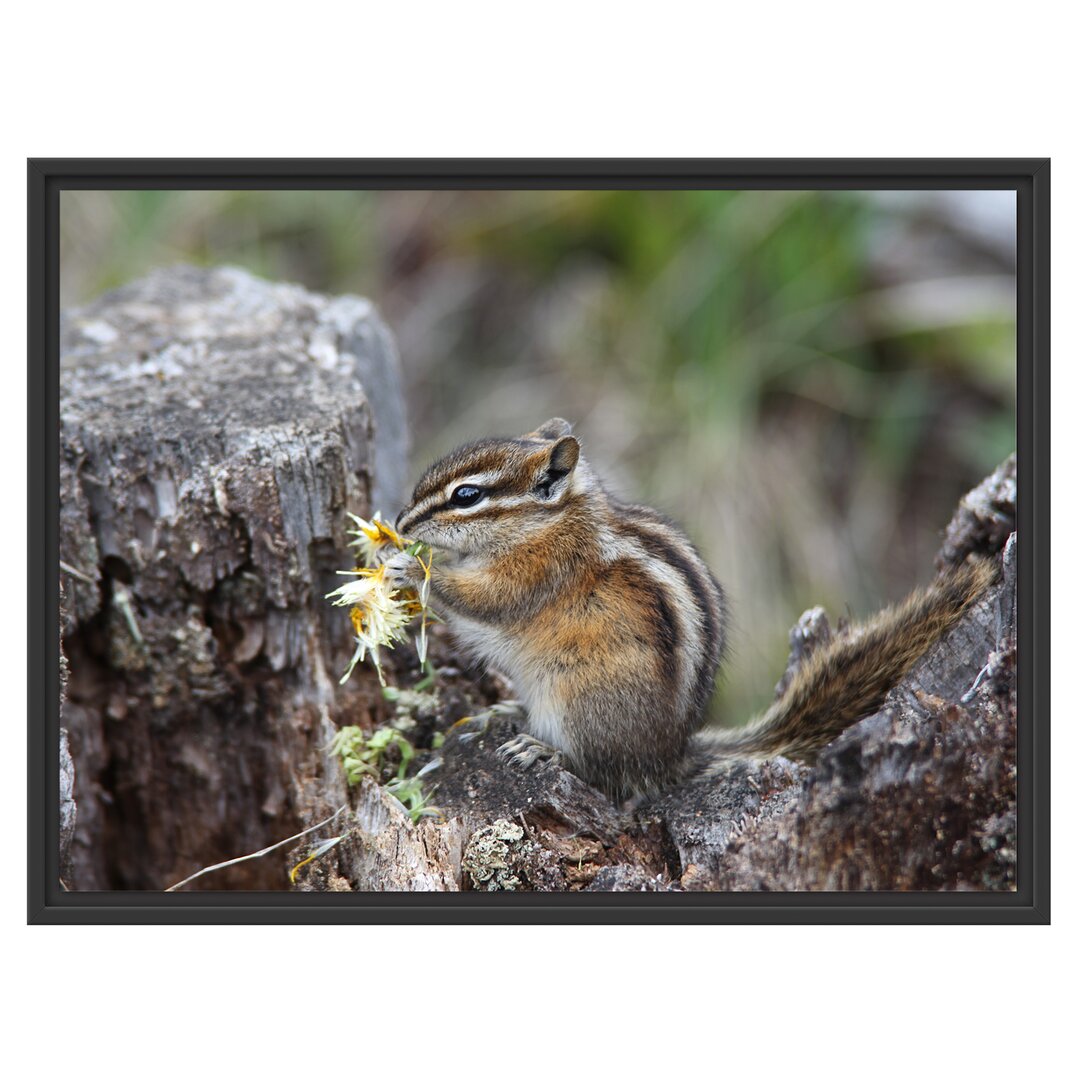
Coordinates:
column 699, row 641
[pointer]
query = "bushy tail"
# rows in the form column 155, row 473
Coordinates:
column 849, row 677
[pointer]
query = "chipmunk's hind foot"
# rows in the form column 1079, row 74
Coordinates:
column 523, row 751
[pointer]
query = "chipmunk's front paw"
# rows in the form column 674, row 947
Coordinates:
column 403, row 571
column 523, row 751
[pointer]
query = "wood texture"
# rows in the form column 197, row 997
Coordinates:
column 214, row 430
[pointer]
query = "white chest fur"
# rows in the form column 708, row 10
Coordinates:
column 494, row 648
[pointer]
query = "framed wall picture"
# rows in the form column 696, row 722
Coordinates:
column 539, row 540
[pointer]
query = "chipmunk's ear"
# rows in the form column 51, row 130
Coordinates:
column 556, row 466
column 555, row 428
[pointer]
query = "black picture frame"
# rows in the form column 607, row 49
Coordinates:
column 1029, row 177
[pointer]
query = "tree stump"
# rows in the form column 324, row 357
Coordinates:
column 214, row 430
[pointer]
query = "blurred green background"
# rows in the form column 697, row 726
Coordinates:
column 807, row 380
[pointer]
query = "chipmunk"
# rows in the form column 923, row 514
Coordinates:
column 610, row 626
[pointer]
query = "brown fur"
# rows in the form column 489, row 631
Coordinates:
column 515, row 587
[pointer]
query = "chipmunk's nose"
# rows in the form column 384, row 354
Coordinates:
column 397, row 521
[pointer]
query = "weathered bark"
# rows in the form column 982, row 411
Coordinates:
column 68, row 815
column 984, row 519
column 68, row 809
column 214, row 430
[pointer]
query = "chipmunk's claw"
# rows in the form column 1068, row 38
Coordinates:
column 523, row 751
column 472, row 727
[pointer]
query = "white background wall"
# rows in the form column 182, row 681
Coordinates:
column 561, row 79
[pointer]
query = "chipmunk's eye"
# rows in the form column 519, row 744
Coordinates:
column 466, row 495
